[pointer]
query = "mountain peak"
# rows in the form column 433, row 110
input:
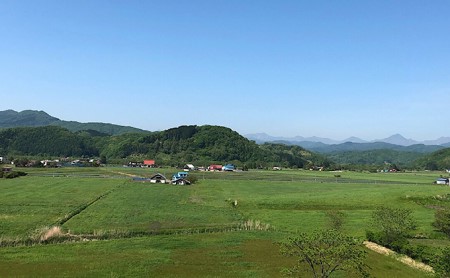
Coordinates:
column 397, row 139
column 354, row 139
column 11, row 118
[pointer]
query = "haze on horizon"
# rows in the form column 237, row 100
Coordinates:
column 287, row 68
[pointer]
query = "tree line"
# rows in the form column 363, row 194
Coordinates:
column 201, row 145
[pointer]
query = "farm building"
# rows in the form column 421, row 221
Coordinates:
column 215, row 167
column 189, row 167
column 442, row 181
column 158, row 178
column 146, row 163
column 149, row 163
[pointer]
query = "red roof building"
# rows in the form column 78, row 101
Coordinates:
column 149, row 163
column 215, row 167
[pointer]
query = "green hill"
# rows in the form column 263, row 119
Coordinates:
column 200, row 145
column 439, row 160
column 44, row 141
column 375, row 157
column 371, row 154
column 11, row 118
column 110, row 129
column 32, row 118
column 361, row 147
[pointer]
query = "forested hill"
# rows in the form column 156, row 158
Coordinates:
column 200, row 145
column 439, row 160
column 11, row 118
column 377, row 153
column 32, row 118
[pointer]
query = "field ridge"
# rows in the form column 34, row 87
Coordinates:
column 83, row 207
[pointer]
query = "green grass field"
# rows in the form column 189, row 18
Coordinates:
column 142, row 229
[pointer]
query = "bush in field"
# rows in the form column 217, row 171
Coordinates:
column 12, row 174
column 442, row 221
column 192, row 178
column 392, row 226
column 442, row 264
column 325, row 252
column 336, row 219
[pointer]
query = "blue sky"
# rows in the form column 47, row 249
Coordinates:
column 312, row 68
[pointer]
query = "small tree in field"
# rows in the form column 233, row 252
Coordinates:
column 325, row 252
column 442, row 221
column 392, row 224
column 336, row 219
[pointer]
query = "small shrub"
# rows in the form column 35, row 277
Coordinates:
column 400, row 245
column 21, row 174
column 336, row 219
column 442, row 263
column 11, row 175
column 442, row 221
column 192, row 178
column 373, row 237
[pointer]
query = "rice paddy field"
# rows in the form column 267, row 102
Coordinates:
column 111, row 226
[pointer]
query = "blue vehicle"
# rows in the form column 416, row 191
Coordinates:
column 180, row 175
column 229, row 167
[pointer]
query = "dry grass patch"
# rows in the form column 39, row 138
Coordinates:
column 47, row 233
column 402, row 258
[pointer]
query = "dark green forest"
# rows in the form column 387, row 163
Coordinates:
column 201, row 145
column 438, row 160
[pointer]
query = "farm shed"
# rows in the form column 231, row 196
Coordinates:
column 189, row 167
column 215, row 167
column 149, row 163
column 442, row 181
column 158, row 178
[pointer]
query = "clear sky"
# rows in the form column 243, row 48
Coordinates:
column 312, row 68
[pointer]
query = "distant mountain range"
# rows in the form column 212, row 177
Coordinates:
column 32, row 118
column 94, row 139
column 396, row 139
